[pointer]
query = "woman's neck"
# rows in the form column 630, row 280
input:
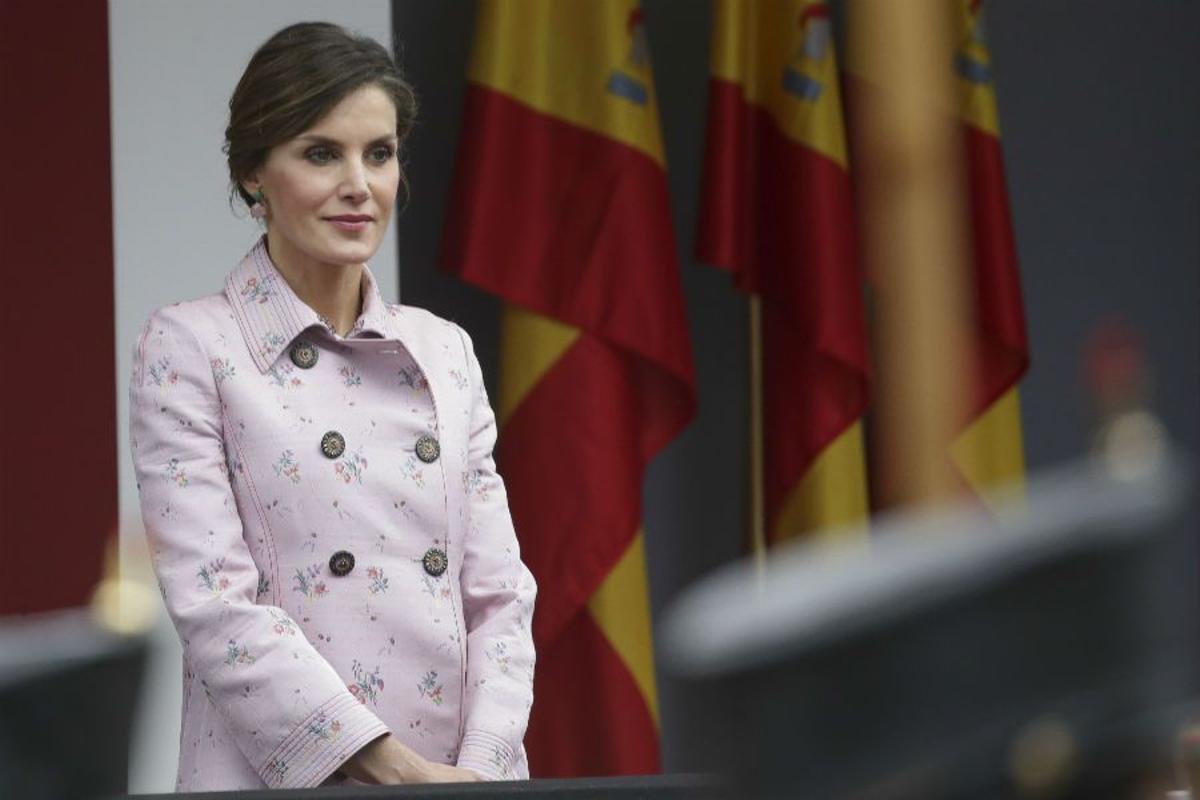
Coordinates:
column 334, row 291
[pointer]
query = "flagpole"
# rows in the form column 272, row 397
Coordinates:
column 758, row 526
column 914, row 238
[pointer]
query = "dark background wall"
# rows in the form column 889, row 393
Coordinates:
column 1101, row 131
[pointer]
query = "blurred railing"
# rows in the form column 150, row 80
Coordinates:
column 646, row 787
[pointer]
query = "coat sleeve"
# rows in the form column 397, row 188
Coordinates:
column 290, row 713
column 498, row 596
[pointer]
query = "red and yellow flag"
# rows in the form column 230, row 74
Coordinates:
column 560, row 207
column 777, row 212
column 989, row 452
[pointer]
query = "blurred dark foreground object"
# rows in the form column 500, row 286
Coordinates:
column 1049, row 651
column 641, row 787
column 68, row 690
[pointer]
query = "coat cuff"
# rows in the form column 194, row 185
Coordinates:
column 322, row 743
column 486, row 754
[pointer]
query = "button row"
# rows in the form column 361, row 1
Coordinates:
column 304, row 355
column 434, row 561
column 333, row 444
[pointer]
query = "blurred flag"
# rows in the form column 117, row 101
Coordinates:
column 988, row 452
column 776, row 210
column 560, row 207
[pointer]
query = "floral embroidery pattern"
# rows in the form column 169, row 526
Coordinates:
column 276, row 770
column 350, row 376
column 434, row 587
column 308, row 582
column 283, row 624
column 238, row 654
column 222, row 369
column 413, row 378
column 281, row 375
column 460, row 380
column 211, row 577
column 264, row 585
column 430, row 688
column 497, row 759
column 473, row 484
column 324, row 728
column 233, row 467
column 498, row 655
column 256, row 290
column 367, row 685
column 271, row 342
column 379, row 581
column 161, row 372
column 350, row 469
column 412, row 469
column 177, row 473
column 286, row 466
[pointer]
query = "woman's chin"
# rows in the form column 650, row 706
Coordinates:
column 348, row 254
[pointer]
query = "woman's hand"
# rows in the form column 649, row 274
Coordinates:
column 444, row 773
column 387, row 761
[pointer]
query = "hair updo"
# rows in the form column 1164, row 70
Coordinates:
column 294, row 79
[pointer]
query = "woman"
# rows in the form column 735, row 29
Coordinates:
column 328, row 529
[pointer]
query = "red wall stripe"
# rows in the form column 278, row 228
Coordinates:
column 58, row 474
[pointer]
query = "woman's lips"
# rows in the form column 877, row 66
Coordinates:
column 350, row 222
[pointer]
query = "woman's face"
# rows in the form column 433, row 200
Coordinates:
column 330, row 191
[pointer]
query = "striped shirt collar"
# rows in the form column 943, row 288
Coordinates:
column 271, row 316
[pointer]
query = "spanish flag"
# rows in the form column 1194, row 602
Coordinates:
column 987, row 452
column 777, row 212
column 559, row 206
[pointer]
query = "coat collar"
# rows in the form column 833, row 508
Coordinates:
column 270, row 315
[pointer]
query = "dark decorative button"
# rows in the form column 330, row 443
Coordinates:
column 435, row 561
column 341, row 562
column 428, row 449
column 304, row 354
column 332, row 444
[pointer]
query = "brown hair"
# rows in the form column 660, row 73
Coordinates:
column 294, row 79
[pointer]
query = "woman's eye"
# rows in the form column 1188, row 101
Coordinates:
column 382, row 154
column 319, row 155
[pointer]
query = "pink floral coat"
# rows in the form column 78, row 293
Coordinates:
column 330, row 535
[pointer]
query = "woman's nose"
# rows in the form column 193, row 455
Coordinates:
column 354, row 182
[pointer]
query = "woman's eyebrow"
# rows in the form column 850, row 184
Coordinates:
column 316, row 138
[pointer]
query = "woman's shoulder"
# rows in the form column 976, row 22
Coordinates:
column 425, row 323
column 199, row 320
column 416, row 315
column 209, row 309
